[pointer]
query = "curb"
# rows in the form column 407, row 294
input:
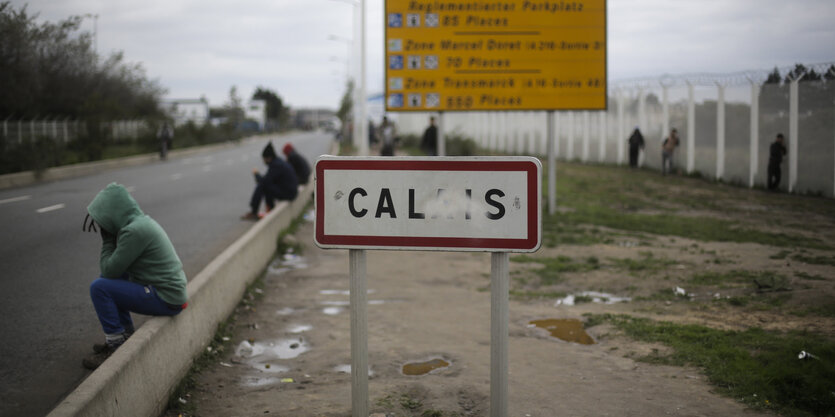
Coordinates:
column 21, row 179
column 139, row 378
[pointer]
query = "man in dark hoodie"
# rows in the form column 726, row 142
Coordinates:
column 636, row 143
column 297, row 161
column 279, row 183
column 140, row 270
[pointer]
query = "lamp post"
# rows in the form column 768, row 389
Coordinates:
column 360, row 132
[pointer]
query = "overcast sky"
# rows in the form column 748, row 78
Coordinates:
column 202, row 47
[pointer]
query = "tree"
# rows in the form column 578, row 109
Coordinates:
column 774, row 77
column 276, row 112
column 234, row 110
column 51, row 69
column 346, row 104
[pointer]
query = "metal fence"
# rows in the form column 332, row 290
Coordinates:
column 17, row 131
column 726, row 123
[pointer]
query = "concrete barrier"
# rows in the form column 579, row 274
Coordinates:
column 140, row 376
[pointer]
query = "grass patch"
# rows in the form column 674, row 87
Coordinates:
column 815, row 260
column 614, row 197
column 647, row 262
column 733, row 278
column 810, row 277
column 554, row 267
column 757, row 367
column 780, row 255
column 532, row 295
column 666, row 294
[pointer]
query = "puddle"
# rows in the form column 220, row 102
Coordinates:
column 346, row 369
column 423, row 368
column 334, row 303
column 260, row 381
column 333, row 311
column 263, row 352
column 286, row 311
column 569, row 330
column 300, row 328
column 285, row 263
column 342, row 292
column 591, row 296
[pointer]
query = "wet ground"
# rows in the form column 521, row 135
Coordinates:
column 429, row 347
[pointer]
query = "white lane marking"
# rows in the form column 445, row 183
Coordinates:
column 176, row 176
column 51, row 208
column 15, row 199
column 131, row 188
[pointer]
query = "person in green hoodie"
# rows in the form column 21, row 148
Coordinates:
column 140, row 270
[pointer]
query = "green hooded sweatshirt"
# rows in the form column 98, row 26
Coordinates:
column 136, row 244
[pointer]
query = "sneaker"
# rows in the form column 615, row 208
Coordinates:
column 250, row 216
column 95, row 360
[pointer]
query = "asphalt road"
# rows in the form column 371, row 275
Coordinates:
column 47, row 321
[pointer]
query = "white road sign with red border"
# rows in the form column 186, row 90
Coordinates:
column 412, row 203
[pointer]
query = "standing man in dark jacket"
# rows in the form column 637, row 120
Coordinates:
column 279, row 183
column 429, row 144
column 775, row 158
column 297, row 161
column 636, row 143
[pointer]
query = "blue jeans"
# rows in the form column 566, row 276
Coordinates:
column 269, row 193
column 115, row 298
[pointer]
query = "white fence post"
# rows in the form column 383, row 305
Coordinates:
column 620, row 136
column 586, row 128
column 691, row 129
column 643, row 123
column 601, row 151
column 755, row 133
column 570, row 145
column 720, row 132
column 665, row 103
column 793, row 132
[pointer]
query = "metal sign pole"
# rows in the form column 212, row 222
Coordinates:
column 359, row 334
column 441, row 145
column 552, row 163
column 499, row 317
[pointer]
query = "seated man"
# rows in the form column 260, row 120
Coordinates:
column 140, row 271
column 279, row 183
column 300, row 165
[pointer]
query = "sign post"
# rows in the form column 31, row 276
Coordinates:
column 487, row 204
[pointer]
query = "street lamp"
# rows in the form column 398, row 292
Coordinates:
column 360, row 105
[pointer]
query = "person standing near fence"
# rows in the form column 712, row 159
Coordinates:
column 775, row 159
column 667, row 149
column 429, row 144
column 388, row 133
column 636, row 143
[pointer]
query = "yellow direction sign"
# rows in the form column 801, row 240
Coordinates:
column 460, row 55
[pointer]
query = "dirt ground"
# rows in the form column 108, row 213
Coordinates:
column 289, row 347
column 425, row 305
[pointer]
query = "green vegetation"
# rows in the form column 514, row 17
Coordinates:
column 639, row 201
column 810, row 277
column 646, row 264
column 554, row 267
column 734, row 278
column 815, row 260
column 757, row 367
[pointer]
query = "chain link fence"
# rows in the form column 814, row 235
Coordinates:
column 726, row 124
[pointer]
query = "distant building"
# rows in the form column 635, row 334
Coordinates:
column 314, row 118
column 256, row 110
column 187, row 110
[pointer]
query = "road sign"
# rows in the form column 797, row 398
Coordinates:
column 497, row 55
column 454, row 204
